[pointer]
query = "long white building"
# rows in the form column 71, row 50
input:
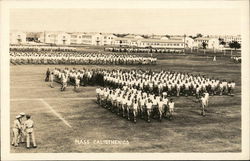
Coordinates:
column 149, row 43
column 58, row 38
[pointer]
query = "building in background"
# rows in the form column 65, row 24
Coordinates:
column 158, row 43
column 17, row 37
column 227, row 38
column 108, row 38
column 56, row 38
column 189, row 42
column 75, row 38
column 149, row 43
column 212, row 43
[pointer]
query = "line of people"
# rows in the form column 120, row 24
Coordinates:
column 173, row 83
column 143, row 50
column 80, row 58
column 23, row 131
column 37, row 48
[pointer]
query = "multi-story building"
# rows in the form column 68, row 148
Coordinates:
column 108, row 39
column 149, row 43
column 189, row 42
column 158, row 43
column 58, row 38
column 228, row 39
column 75, row 38
column 212, row 43
column 17, row 37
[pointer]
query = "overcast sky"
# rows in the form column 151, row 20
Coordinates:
column 139, row 21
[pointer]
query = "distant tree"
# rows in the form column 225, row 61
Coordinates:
column 221, row 41
column 199, row 35
column 192, row 37
column 235, row 45
column 120, row 35
column 145, row 36
column 168, row 36
column 204, row 45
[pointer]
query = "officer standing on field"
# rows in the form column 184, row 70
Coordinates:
column 22, row 133
column 29, row 128
column 16, row 130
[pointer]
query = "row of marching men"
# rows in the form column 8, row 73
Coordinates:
column 132, row 103
column 174, row 83
column 41, row 48
column 18, row 58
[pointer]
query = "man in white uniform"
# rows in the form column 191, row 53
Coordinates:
column 171, row 108
column 28, row 126
column 16, row 130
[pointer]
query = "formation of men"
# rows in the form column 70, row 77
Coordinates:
column 23, row 129
column 132, row 103
column 173, row 83
column 43, row 57
column 236, row 59
column 143, row 50
column 36, row 48
column 133, row 93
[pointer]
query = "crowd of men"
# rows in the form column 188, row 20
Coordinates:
column 43, row 57
column 143, row 50
column 133, row 103
column 153, row 82
column 36, row 48
column 236, row 59
column 23, row 131
column 143, row 93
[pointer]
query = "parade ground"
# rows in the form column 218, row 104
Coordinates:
column 69, row 121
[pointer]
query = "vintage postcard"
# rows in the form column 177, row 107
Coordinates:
column 114, row 80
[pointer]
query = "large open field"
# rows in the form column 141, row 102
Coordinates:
column 61, row 118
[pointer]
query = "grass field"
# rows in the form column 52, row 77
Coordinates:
column 61, row 118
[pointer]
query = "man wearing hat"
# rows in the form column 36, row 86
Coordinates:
column 15, row 130
column 22, row 134
column 28, row 126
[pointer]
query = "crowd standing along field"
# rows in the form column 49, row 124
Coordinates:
column 78, row 58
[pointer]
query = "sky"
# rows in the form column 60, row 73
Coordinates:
column 215, row 21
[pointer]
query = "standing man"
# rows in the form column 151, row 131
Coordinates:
column 28, row 126
column 51, row 79
column 16, row 130
column 171, row 108
column 22, row 132
column 203, row 104
column 206, row 95
column 47, row 75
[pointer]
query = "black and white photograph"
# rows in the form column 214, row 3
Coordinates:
column 140, row 79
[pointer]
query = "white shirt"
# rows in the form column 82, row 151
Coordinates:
column 171, row 105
